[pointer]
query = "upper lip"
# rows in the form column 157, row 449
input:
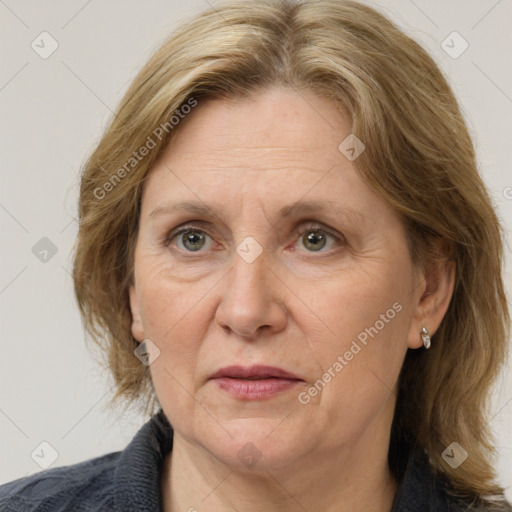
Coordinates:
column 253, row 372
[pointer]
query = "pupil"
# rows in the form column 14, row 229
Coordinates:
column 313, row 238
column 195, row 239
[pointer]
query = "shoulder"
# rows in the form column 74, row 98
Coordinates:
column 125, row 480
column 86, row 486
column 423, row 488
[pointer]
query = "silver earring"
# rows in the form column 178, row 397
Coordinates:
column 425, row 337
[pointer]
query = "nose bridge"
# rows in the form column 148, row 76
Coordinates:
column 249, row 272
column 251, row 230
column 251, row 297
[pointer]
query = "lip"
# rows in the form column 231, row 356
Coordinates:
column 254, row 382
column 254, row 372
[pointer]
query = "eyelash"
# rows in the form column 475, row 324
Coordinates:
column 297, row 232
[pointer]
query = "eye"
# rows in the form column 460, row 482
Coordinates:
column 190, row 239
column 315, row 238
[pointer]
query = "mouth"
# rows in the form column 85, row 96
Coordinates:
column 255, row 372
column 255, row 382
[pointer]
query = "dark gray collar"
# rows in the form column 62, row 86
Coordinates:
column 137, row 476
column 419, row 489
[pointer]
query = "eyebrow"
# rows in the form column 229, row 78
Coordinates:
column 292, row 210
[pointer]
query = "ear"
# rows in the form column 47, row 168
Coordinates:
column 435, row 290
column 137, row 328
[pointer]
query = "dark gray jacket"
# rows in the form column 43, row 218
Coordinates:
column 128, row 481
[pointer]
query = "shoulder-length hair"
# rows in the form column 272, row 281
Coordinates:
column 419, row 157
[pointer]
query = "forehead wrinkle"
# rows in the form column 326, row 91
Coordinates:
column 296, row 209
column 230, row 166
column 265, row 157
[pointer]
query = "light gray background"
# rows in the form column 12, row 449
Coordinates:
column 54, row 110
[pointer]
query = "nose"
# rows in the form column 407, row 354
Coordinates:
column 252, row 300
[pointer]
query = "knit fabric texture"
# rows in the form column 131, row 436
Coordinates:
column 129, row 481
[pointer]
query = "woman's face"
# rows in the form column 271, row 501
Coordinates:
column 294, row 264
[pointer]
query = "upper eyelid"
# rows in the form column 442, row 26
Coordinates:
column 299, row 227
column 192, row 225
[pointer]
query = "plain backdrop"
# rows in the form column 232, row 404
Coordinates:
column 53, row 111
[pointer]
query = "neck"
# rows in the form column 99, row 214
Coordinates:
column 356, row 479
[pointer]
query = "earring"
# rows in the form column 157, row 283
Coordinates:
column 425, row 337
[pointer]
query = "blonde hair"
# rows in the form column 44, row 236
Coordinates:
column 419, row 157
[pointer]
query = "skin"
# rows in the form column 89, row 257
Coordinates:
column 297, row 306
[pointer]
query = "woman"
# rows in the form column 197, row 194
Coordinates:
column 287, row 252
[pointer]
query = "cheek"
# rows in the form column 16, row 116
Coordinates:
column 168, row 316
column 175, row 320
column 364, row 304
column 176, row 317
column 365, row 317
column 165, row 302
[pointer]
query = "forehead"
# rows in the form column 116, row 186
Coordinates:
column 276, row 148
column 277, row 121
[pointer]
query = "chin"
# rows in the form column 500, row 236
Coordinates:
column 257, row 444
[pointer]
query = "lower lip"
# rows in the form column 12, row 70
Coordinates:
column 255, row 389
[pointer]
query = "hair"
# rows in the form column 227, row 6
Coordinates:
column 419, row 158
